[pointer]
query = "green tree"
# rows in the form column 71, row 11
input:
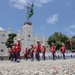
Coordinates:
column 73, row 43
column 10, row 40
column 58, row 38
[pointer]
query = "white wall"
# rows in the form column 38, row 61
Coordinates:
column 3, row 38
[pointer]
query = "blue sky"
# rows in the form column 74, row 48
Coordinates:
column 49, row 16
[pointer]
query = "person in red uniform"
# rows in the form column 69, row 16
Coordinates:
column 15, row 51
column 12, row 53
column 43, row 50
column 26, row 53
column 38, row 50
column 63, row 50
column 53, row 50
column 32, row 52
column 18, row 49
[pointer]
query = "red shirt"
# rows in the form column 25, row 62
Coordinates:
column 15, row 47
column 43, row 49
column 63, row 49
column 15, row 44
column 12, row 50
column 38, row 47
column 26, row 51
column 18, row 48
column 32, row 49
column 53, row 49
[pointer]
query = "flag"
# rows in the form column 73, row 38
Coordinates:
column 31, row 10
column 70, row 42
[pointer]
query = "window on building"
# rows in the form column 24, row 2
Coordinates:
column 28, row 36
column 2, row 42
column 3, row 35
column 33, row 40
column 47, row 46
column 29, row 41
column 2, row 50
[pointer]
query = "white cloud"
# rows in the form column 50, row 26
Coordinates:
column 39, row 3
column 18, row 3
column 22, row 3
column 72, row 26
column 1, row 29
column 45, row 1
column 70, row 30
column 52, row 19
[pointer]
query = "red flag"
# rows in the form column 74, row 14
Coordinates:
column 70, row 42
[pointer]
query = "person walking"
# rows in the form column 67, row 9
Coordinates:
column 15, row 51
column 18, row 49
column 53, row 50
column 12, row 53
column 26, row 53
column 43, row 50
column 63, row 50
column 38, row 50
column 32, row 52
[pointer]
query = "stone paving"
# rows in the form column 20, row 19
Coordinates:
column 48, row 67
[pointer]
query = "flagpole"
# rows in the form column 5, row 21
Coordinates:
column 28, row 10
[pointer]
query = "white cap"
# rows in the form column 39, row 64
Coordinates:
column 43, row 45
column 52, row 43
column 31, row 43
column 63, row 44
column 37, row 40
column 19, row 39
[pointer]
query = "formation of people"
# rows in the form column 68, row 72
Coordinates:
column 15, row 51
column 29, row 53
column 62, row 49
column 33, row 51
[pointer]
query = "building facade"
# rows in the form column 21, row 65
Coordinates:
column 3, row 38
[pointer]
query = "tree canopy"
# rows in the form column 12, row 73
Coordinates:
column 58, row 38
column 10, row 40
column 73, row 42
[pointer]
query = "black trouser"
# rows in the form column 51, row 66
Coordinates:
column 43, row 55
column 11, row 56
column 63, row 55
column 53, row 55
column 18, row 55
column 37, row 55
column 32, row 55
column 15, row 56
column 26, row 56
